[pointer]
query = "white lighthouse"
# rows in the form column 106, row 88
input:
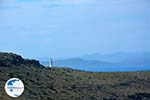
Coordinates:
column 51, row 63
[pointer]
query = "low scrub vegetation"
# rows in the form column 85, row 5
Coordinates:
column 55, row 83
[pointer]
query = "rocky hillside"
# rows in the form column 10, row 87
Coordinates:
column 43, row 83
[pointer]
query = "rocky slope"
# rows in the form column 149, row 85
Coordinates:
column 43, row 83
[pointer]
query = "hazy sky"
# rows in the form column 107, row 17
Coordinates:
column 63, row 28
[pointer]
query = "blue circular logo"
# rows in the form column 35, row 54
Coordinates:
column 14, row 87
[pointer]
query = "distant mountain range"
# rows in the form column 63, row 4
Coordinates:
column 109, row 62
column 116, row 56
column 122, row 58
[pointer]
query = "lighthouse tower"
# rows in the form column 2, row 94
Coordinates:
column 51, row 63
